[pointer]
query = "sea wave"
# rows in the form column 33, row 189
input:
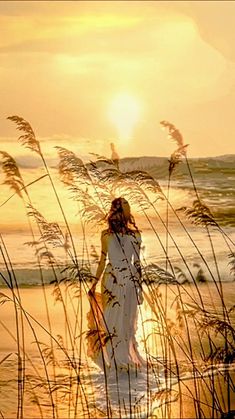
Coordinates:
column 152, row 273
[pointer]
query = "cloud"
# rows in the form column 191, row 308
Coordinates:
column 215, row 22
column 62, row 63
column 25, row 33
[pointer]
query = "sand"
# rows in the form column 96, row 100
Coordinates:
column 181, row 396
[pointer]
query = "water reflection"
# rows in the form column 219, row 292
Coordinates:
column 174, row 380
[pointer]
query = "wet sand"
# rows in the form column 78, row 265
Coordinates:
column 181, row 395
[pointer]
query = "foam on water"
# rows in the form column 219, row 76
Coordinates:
column 25, row 265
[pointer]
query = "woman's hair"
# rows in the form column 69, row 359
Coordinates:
column 120, row 219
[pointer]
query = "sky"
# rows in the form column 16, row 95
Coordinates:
column 86, row 74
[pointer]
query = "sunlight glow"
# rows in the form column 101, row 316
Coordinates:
column 124, row 111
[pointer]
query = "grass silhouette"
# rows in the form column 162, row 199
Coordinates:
column 61, row 382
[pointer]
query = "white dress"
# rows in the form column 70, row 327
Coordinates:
column 112, row 319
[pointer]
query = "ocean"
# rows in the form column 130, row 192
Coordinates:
column 214, row 179
column 185, row 325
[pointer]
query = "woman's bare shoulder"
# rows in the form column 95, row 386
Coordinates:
column 105, row 233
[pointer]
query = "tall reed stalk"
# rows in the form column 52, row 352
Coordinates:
column 66, row 371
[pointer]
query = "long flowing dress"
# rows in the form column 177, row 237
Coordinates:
column 112, row 319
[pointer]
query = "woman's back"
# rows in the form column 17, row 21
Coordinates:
column 116, row 316
column 123, row 248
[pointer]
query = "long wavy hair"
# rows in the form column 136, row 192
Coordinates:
column 120, row 219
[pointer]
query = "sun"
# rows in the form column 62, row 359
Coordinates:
column 124, row 112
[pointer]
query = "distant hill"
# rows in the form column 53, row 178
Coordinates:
column 158, row 166
column 226, row 157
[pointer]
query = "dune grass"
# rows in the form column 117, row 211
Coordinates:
column 64, row 386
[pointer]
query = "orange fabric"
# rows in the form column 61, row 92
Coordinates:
column 96, row 334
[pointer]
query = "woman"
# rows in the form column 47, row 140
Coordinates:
column 112, row 319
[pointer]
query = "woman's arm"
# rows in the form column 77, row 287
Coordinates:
column 137, row 254
column 102, row 261
column 137, row 265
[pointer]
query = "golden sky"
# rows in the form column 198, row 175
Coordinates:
column 71, row 69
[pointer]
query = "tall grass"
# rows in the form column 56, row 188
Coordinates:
column 188, row 342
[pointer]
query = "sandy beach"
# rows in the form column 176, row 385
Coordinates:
column 45, row 326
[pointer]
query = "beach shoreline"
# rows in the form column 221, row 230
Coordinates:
column 38, row 302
